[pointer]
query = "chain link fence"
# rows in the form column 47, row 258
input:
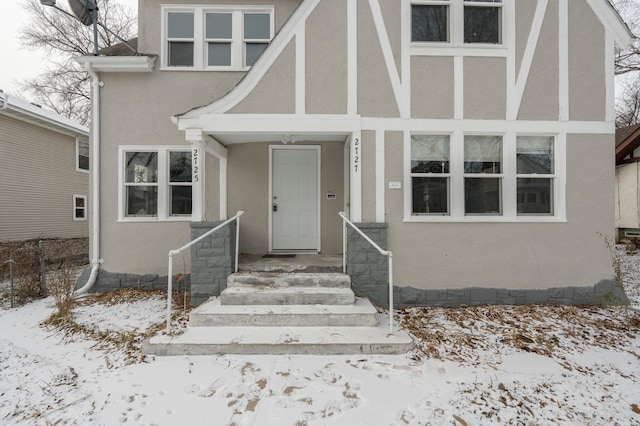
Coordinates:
column 25, row 265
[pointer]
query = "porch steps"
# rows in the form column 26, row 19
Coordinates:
column 215, row 314
column 277, row 313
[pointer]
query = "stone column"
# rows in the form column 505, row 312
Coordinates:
column 212, row 260
column 369, row 270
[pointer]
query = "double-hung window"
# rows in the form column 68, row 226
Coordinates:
column 457, row 21
column 430, row 174
column 482, row 174
column 82, row 155
column 155, row 183
column 535, row 175
column 224, row 38
column 79, row 207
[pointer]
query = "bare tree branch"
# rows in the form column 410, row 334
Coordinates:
column 64, row 86
column 628, row 60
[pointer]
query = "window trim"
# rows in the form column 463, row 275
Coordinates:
column 447, row 176
column 200, row 48
column 508, row 182
column 456, row 46
column 84, row 209
column 78, row 168
column 163, row 184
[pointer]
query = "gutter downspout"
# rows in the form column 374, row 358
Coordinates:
column 95, row 184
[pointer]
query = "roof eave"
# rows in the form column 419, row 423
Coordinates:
column 142, row 63
column 25, row 111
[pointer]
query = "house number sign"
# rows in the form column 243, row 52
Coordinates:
column 356, row 154
column 196, row 164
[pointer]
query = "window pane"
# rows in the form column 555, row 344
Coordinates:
column 429, row 23
column 219, row 25
column 142, row 201
column 83, row 155
column 79, row 202
column 180, row 25
column 219, row 54
column 535, row 196
column 430, row 154
column 179, row 167
column 79, row 214
column 83, row 162
column 483, row 154
column 482, row 195
column 253, row 52
column 482, row 24
column 180, row 200
column 257, row 26
column 535, row 155
column 430, row 195
column 142, row 167
column 181, row 53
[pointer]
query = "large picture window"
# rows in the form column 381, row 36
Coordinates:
column 484, row 177
column 156, row 183
column 432, row 21
column 215, row 37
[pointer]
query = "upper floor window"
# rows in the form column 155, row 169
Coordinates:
column 82, row 155
column 215, row 38
column 457, row 21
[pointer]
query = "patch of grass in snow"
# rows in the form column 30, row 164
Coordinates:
column 125, row 343
column 459, row 334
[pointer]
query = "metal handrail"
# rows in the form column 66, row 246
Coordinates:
column 380, row 250
column 188, row 245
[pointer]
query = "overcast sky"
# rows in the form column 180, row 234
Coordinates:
column 16, row 62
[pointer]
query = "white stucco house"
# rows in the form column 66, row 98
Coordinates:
column 467, row 137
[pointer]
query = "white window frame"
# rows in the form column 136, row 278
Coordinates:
column 78, row 168
column 84, row 209
column 431, row 175
column 508, row 176
column 163, row 184
column 200, row 50
column 456, row 46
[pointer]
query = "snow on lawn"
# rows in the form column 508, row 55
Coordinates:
column 472, row 366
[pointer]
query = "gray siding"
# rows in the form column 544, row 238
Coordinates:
column 38, row 179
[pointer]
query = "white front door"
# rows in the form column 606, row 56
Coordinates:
column 294, row 198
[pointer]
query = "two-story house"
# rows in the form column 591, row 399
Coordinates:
column 467, row 136
column 44, row 173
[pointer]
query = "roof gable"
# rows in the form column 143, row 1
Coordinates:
column 627, row 141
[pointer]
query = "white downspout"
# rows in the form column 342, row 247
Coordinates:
column 95, row 184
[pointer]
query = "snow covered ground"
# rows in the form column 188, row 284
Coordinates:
column 472, row 366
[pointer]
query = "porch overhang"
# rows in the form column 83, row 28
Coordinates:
column 270, row 123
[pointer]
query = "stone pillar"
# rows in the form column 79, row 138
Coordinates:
column 369, row 270
column 212, row 260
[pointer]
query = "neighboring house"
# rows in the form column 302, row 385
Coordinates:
column 627, row 182
column 467, row 137
column 44, row 173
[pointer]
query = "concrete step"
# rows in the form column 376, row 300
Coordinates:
column 212, row 313
column 287, row 296
column 279, row 280
column 281, row 341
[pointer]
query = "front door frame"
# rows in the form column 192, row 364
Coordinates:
column 318, row 150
